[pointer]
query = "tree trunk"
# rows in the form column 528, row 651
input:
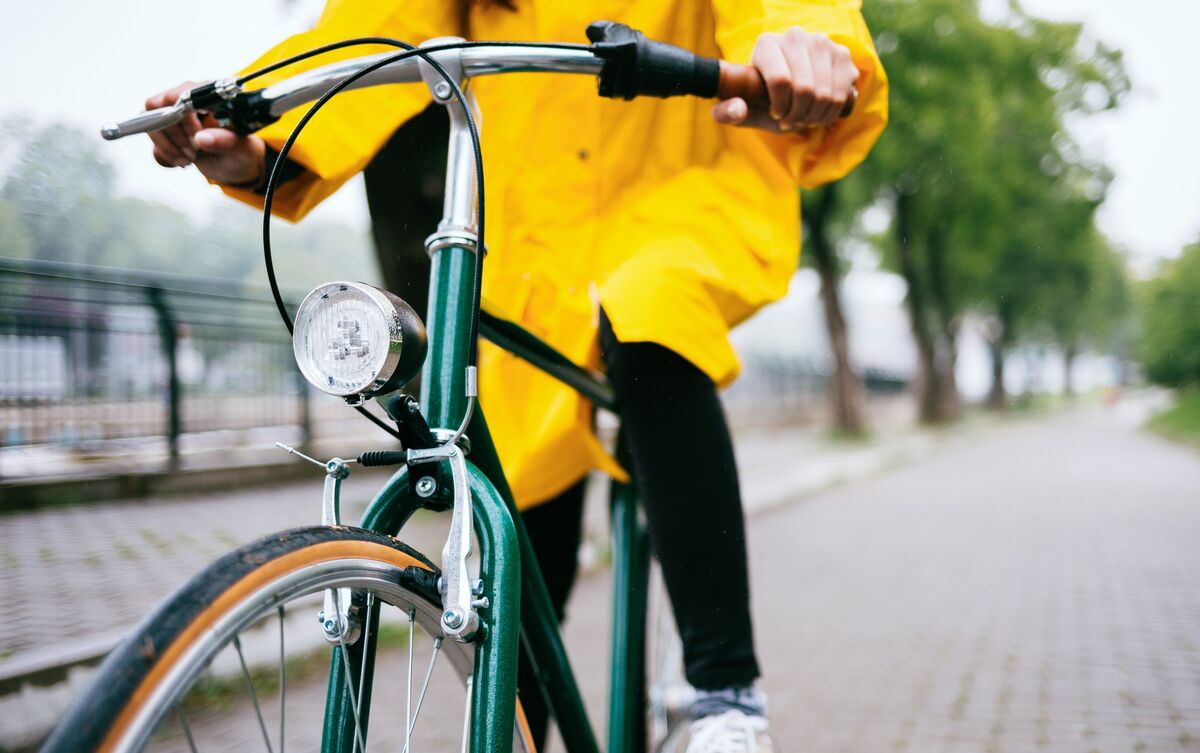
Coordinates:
column 1069, row 353
column 404, row 195
column 928, row 384
column 1005, row 337
column 941, row 306
column 949, row 405
column 997, row 399
column 846, row 395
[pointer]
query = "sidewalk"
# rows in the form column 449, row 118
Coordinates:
column 114, row 561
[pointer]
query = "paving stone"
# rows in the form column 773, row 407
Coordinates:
column 1030, row 588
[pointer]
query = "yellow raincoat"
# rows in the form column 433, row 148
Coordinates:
column 678, row 226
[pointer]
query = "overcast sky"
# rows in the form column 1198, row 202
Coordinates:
column 89, row 62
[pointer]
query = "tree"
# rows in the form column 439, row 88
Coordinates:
column 1040, row 251
column 59, row 203
column 847, row 399
column 14, row 238
column 1089, row 305
column 925, row 169
column 1169, row 345
column 60, row 186
column 976, row 153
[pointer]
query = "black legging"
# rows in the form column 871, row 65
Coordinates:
column 687, row 479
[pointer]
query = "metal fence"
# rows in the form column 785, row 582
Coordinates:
column 92, row 359
column 90, row 356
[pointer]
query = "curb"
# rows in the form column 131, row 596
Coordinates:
column 32, row 494
column 51, row 666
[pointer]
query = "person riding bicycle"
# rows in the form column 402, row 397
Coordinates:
column 631, row 236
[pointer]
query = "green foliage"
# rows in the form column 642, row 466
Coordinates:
column 1088, row 300
column 1182, row 420
column 14, row 238
column 1169, row 346
column 58, row 203
column 992, row 199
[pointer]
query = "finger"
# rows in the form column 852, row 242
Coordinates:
column 731, row 111
column 162, row 99
column 217, row 140
column 821, row 57
column 845, row 73
column 169, row 97
column 169, row 158
column 190, row 124
column 760, row 118
column 770, row 61
column 182, row 141
column 801, row 83
column 165, row 151
column 754, row 117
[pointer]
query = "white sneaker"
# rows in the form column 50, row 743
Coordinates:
column 730, row 732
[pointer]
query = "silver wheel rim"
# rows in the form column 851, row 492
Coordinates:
column 380, row 579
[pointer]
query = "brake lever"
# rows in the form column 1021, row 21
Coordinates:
column 244, row 112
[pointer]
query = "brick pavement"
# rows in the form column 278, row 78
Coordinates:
column 1035, row 590
column 116, row 560
column 1032, row 588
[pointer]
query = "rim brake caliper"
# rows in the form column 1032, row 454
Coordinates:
column 459, row 618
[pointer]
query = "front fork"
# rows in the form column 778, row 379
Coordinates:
column 495, row 604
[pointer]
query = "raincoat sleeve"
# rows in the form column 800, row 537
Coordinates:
column 353, row 126
column 825, row 154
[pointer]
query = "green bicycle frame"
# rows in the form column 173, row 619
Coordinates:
column 508, row 564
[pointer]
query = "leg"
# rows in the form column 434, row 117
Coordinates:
column 555, row 528
column 687, row 478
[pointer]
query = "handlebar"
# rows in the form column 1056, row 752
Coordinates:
column 746, row 82
column 273, row 101
column 626, row 63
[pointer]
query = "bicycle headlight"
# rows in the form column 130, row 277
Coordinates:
column 352, row 339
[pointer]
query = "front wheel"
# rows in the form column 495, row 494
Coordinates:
column 236, row 659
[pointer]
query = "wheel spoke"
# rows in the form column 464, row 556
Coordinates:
column 282, row 680
column 362, row 668
column 237, row 644
column 187, row 729
column 467, row 715
column 437, row 647
column 292, row 574
column 408, row 696
column 358, row 738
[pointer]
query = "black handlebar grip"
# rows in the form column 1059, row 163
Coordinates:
column 636, row 66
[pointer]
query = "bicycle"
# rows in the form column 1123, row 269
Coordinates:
column 480, row 621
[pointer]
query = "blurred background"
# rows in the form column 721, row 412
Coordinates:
column 974, row 419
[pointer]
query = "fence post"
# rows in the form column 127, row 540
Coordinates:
column 168, row 339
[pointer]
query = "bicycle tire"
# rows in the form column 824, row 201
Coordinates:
column 140, row 683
